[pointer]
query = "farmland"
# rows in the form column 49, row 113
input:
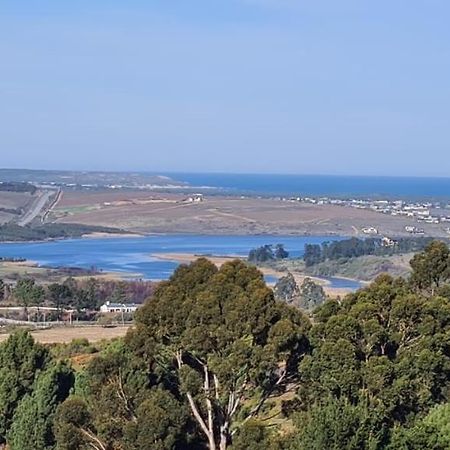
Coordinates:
column 146, row 212
column 59, row 335
column 12, row 204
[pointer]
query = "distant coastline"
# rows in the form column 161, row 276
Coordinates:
column 327, row 185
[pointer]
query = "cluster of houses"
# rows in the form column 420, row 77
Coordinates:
column 426, row 212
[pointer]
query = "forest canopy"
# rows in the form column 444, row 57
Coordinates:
column 215, row 362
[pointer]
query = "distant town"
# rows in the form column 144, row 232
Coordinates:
column 422, row 212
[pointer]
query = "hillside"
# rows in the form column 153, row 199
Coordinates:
column 365, row 268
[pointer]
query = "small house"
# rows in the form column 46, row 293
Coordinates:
column 110, row 307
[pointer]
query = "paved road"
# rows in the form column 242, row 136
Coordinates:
column 40, row 202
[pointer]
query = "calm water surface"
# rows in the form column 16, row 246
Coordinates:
column 327, row 185
column 135, row 254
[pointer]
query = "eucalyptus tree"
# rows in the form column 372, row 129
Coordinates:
column 431, row 268
column 223, row 341
column 119, row 403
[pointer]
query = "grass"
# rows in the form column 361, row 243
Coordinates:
column 67, row 334
column 365, row 268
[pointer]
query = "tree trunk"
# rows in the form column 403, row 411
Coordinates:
column 224, row 437
column 207, row 429
column 211, row 443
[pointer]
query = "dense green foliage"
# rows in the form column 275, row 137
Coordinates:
column 354, row 247
column 21, row 362
column 120, row 404
column 286, row 289
column 28, row 293
column 267, row 253
column 12, row 232
column 307, row 297
column 215, row 362
column 225, row 341
column 32, row 427
column 311, row 296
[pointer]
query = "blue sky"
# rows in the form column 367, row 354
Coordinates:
column 317, row 86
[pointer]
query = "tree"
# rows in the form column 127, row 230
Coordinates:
column 286, row 289
column 382, row 353
column 28, row 292
column 119, row 294
column 336, row 425
column 33, row 420
column 59, row 294
column 86, row 298
column 311, row 295
column 121, row 403
column 280, row 252
column 225, row 340
column 312, row 255
column 431, row 268
column 21, row 359
column 2, row 290
column 261, row 254
column 431, row 432
column 267, row 253
column 160, row 421
column 73, row 427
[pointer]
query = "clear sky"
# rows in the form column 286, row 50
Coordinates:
column 295, row 86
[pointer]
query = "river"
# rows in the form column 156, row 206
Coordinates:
column 134, row 254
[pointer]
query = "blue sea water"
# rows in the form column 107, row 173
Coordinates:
column 134, row 255
column 323, row 185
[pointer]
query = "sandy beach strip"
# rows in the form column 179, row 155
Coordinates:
column 105, row 235
column 187, row 258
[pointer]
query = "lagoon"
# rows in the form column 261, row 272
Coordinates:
column 134, row 254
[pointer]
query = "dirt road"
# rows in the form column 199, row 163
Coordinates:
column 41, row 200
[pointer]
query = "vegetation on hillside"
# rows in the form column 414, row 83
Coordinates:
column 17, row 187
column 365, row 268
column 215, row 362
column 354, row 247
column 13, row 232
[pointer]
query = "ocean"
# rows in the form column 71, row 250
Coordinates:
column 322, row 185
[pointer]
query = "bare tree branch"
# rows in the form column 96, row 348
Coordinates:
column 209, row 406
column 95, row 441
column 124, row 398
column 198, row 417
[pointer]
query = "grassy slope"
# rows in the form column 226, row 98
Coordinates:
column 365, row 268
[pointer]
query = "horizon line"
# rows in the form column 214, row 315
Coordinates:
column 214, row 172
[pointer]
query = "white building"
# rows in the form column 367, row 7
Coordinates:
column 370, row 230
column 388, row 242
column 109, row 307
